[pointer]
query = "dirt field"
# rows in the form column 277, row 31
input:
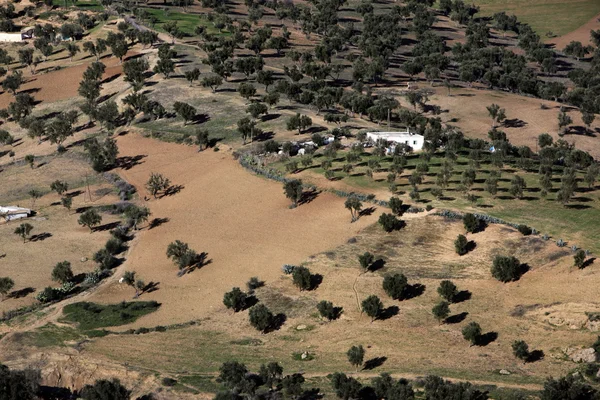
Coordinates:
column 243, row 222
column 525, row 119
column 545, row 308
column 60, row 238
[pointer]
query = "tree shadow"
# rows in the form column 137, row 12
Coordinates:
column 412, row 291
column 388, row 313
column 201, row 261
column 74, row 193
column 40, row 237
column 106, row 227
column 367, row 211
column 150, row 287
column 18, row 294
column 172, row 190
column 315, row 281
column 156, row 222
column 276, row 323
column 588, row 262
column 308, row 196
column 514, row 123
column 269, row 117
column 56, row 393
column 127, row 162
column 535, row 355
column 376, row 265
column 456, row 318
column 486, row 339
column 461, row 296
column 577, row 206
column 471, row 245
column 374, row 363
column 311, row 394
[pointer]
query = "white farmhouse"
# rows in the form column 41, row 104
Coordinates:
column 10, row 213
column 414, row 140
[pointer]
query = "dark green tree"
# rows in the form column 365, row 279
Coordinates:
column 472, row 332
column 62, row 272
column 372, row 306
column 356, row 356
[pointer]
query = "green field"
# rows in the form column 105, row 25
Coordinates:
column 89, row 5
column 575, row 223
column 92, row 316
column 187, row 22
column 557, row 16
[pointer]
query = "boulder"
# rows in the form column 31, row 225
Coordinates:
column 587, row 355
column 301, row 327
column 504, row 372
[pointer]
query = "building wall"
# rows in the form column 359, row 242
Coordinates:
column 10, row 37
column 413, row 140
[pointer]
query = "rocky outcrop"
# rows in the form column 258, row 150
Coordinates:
column 578, row 355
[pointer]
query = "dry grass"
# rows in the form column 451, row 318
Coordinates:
column 413, row 342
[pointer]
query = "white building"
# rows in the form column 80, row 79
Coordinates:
column 10, row 213
column 414, row 140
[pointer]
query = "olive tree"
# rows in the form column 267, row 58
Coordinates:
column 90, row 218
column 24, row 230
column 372, row 306
column 235, row 299
column 355, row 206
column 356, row 356
column 62, row 272
column 472, row 332
column 6, row 285
column 293, row 190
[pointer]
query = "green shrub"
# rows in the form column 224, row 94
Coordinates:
column 525, row 230
column 506, row 269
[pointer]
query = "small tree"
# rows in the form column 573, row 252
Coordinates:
column 192, row 75
column 182, row 255
column 395, row 286
column 472, row 332
column 299, row 122
column 30, row 159
column 6, row 285
column 66, row 202
column 517, row 184
column 564, row 120
column 59, row 187
column 396, row 206
column 355, row 206
column 185, row 111
column 389, row 222
column 461, row 245
column 90, row 218
column 24, row 230
column 356, row 356
column 261, row 318
column 327, row 310
column 372, row 306
column 62, row 272
column 293, row 190
column 448, row 290
column 302, row 278
column 471, row 223
column 579, row 258
column 129, row 279
column 235, row 299
column 441, row 311
column 365, row 260
column 496, row 113
column 521, row 350
column 136, row 215
column 157, row 183
column 506, row 269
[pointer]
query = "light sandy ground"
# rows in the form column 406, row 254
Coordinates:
column 30, row 264
column 468, row 108
column 581, row 34
column 242, row 221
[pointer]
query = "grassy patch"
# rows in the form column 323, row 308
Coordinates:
column 186, row 22
column 92, row 316
column 203, row 383
column 84, row 5
column 50, row 335
column 557, row 16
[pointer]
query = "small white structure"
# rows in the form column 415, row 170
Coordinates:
column 26, row 33
column 414, row 140
column 10, row 213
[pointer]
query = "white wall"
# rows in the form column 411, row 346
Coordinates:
column 10, row 37
column 413, row 140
